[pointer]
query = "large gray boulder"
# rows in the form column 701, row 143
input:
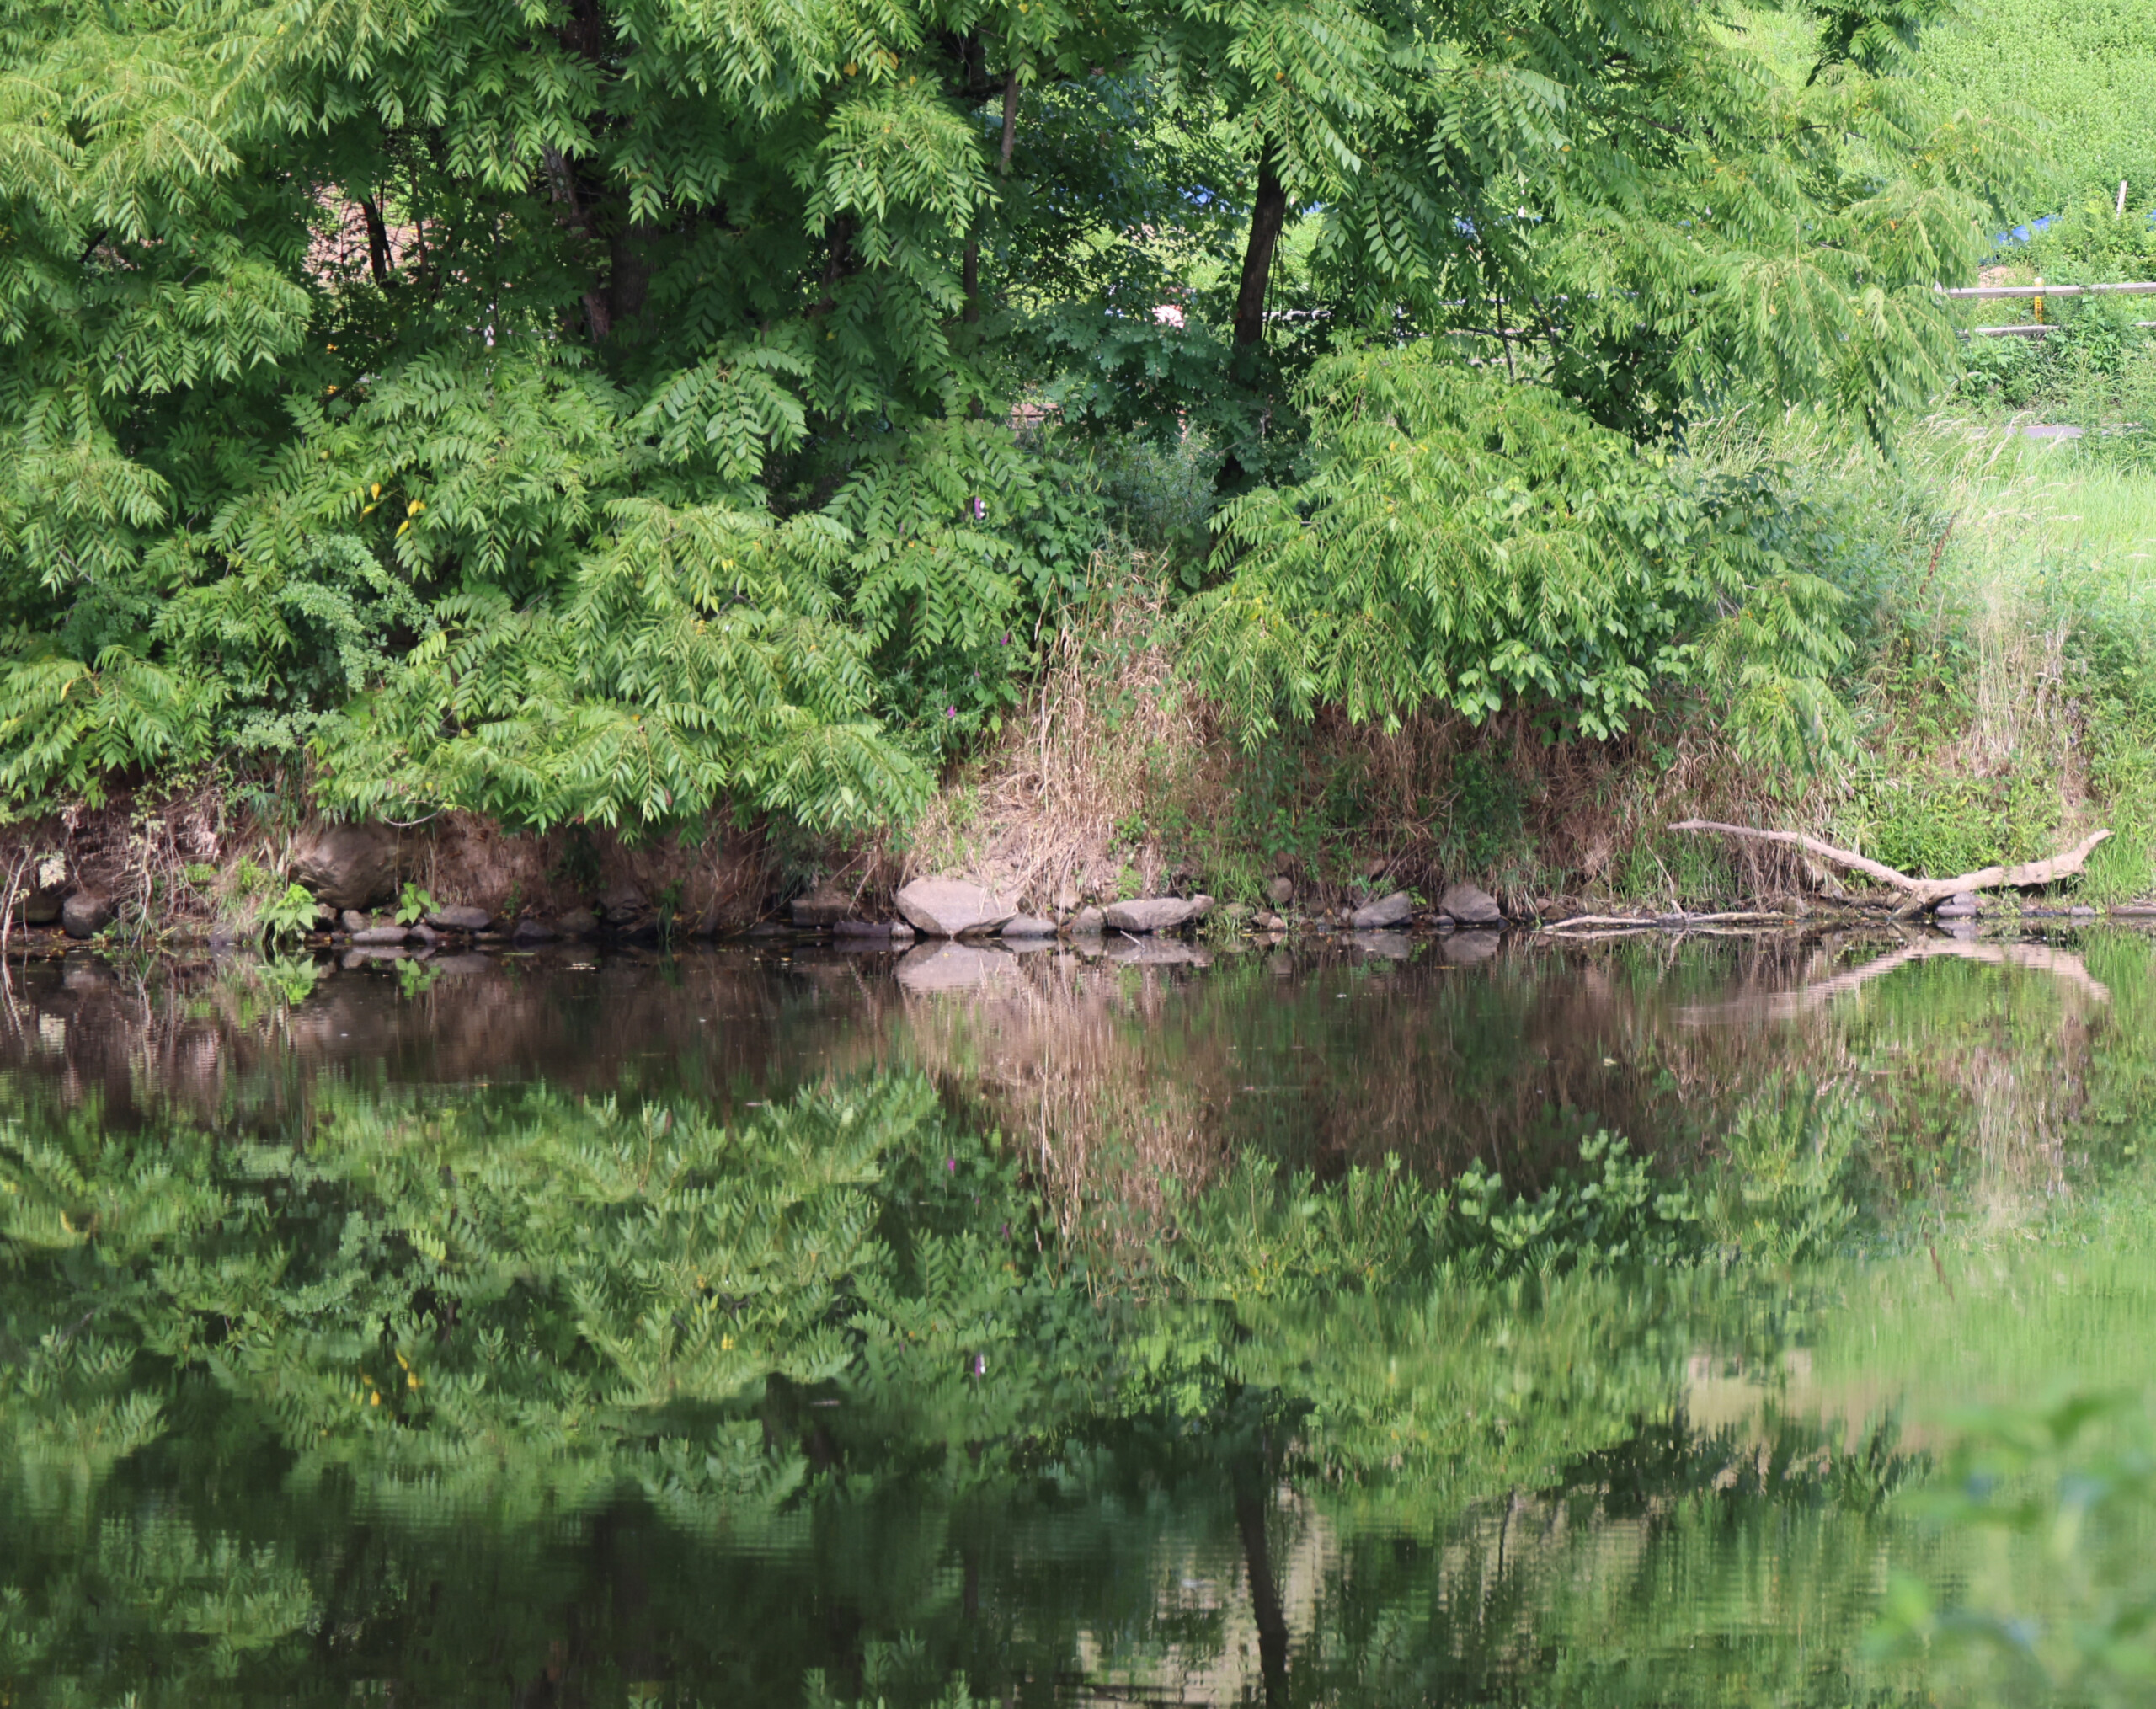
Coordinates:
column 1154, row 914
column 457, row 917
column 347, row 866
column 1470, row 906
column 952, row 907
column 1028, row 926
column 85, row 914
column 1396, row 909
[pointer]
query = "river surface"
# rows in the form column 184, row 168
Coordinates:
column 1490, row 1320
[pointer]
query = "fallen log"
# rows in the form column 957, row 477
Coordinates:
column 1922, row 892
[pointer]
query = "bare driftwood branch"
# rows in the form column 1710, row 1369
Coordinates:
column 1922, row 892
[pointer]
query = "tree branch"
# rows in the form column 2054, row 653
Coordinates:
column 1922, row 892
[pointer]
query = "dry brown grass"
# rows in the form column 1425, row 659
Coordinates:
column 1046, row 814
column 1118, row 780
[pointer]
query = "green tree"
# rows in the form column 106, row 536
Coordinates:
column 601, row 409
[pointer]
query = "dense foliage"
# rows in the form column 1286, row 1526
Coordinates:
column 606, row 409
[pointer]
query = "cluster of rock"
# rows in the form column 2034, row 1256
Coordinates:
column 950, row 908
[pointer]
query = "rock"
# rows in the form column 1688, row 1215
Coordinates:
column 40, row 907
column 1030, row 926
column 353, row 921
column 423, row 933
column 577, row 923
column 1396, row 909
column 1150, row 914
column 85, row 914
column 459, row 918
column 770, row 928
column 951, row 967
column 623, row 906
column 2082, row 911
column 1088, row 922
column 864, row 928
column 347, row 866
column 2135, row 910
column 1280, row 892
column 1470, row 906
column 1201, row 904
column 378, row 935
column 537, row 931
column 952, row 907
column 825, row 907
column 1960, row 905
column 1271, row 922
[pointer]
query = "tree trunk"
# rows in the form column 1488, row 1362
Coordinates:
column 377, row 240
column 1268, row 215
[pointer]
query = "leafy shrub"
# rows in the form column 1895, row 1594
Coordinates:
column 1468, row 543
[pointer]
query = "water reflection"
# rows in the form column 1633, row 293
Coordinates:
column 750, row 1328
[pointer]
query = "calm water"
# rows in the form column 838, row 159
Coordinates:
column 1288, row 1328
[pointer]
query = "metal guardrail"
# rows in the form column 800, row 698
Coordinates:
column 2035, row 294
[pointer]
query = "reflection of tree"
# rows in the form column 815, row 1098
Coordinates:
column 516, row 1386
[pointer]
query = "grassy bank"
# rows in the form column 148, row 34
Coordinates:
column 1999, row 592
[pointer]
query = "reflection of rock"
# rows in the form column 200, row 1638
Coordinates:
column 1158, row 952
column 953, row 967
column 458, row 966
column 1152, row 913
column 1465, row 948
column 1470, row 906
column 347, row 866
column 1393, row 946
column 1396, row 909
column 952, row 907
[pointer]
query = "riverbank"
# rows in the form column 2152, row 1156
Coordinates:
column 2001, row 688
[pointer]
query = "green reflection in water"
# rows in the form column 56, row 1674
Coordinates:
column 319, row 1383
